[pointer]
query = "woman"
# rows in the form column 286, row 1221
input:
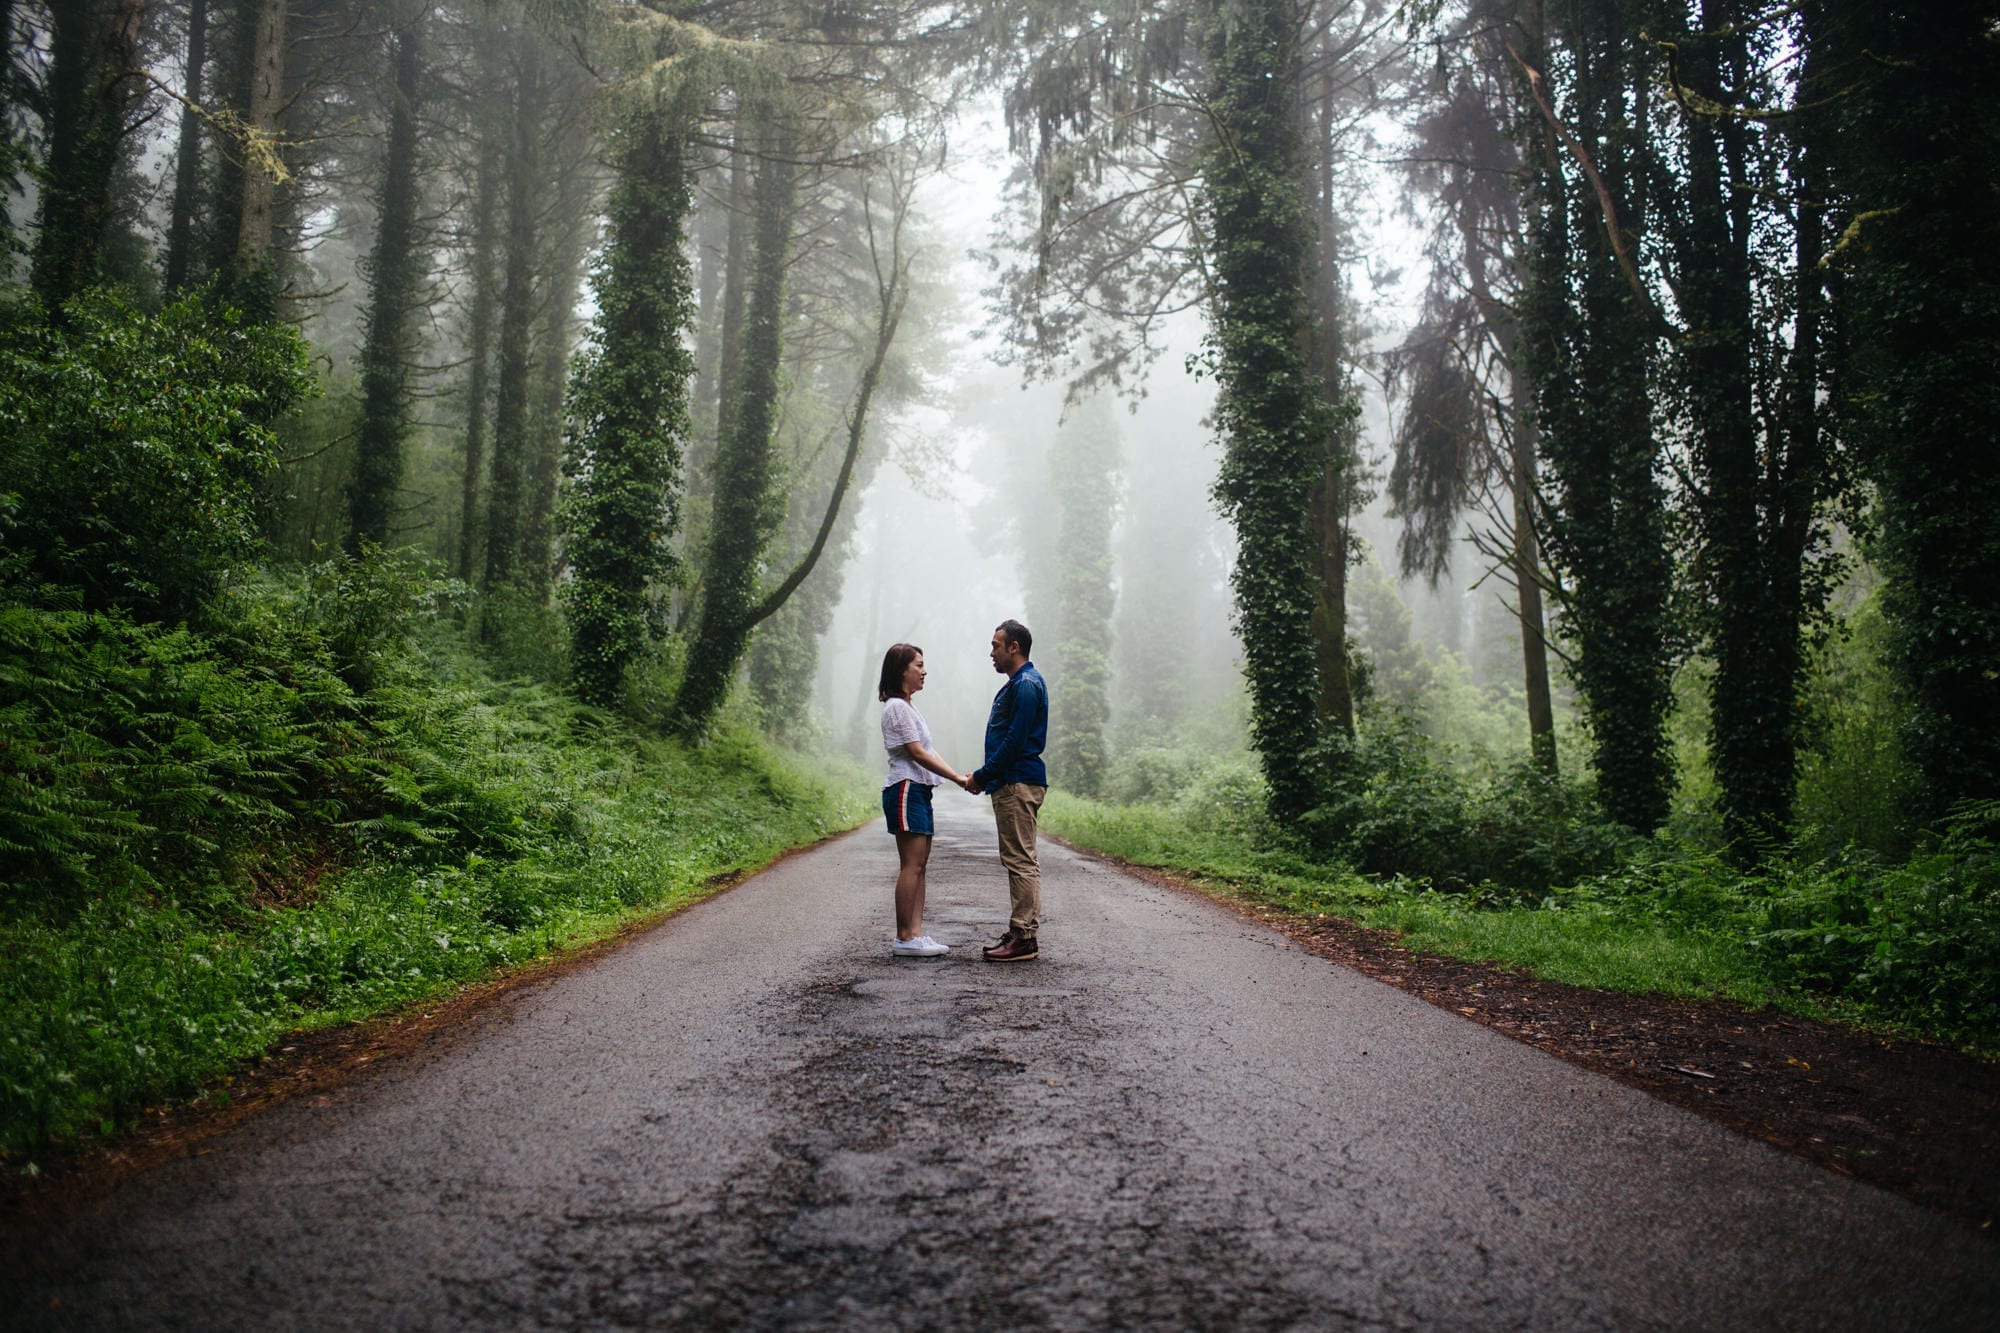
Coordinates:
column 914, row 768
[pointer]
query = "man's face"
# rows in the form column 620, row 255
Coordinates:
column 1003, row 655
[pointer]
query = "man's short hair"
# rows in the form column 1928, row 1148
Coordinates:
column 1013, row 631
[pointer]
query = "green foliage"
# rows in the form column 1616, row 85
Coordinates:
column 1919, row 940
column 628, row 410
column 1400, row 807
column 1518, row 870
column 366, row 608
column 1855, row 785
column 134, row 447
column 200, row 763
column 524, row 636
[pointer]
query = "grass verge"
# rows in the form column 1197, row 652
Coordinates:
column 1572, row 938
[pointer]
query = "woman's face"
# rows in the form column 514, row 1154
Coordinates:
column 913, row 676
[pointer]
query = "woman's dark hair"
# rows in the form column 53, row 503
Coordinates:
column 894, row 663
column 1014, row 632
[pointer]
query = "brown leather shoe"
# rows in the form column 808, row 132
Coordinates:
column 1013, row 948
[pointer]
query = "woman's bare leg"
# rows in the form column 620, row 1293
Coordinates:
column 913, row 853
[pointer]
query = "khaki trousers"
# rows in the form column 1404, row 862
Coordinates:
column 1015, row 806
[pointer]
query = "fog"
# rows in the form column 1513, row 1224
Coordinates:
column 950, row 530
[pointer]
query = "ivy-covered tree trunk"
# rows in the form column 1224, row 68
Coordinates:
column 744, row 514
column 1759, row 475
column 629, row 407
column 505, row 502
column 1271, row 408
column 1590, row 343
column 187, row 156
column 93, row 83
column 1919, row 151
column 1084, row 478
column 394, row 272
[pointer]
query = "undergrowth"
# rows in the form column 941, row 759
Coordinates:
column 318, row 807
column 1510, row 868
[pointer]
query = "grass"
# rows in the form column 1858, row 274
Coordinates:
column 1570, row 938
column 140, row 995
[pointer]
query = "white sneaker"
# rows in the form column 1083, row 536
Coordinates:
column 923, row 946
column 941, row 948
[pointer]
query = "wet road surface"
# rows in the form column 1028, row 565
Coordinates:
column 754, row 1116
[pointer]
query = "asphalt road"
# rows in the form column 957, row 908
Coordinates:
column 755, row 1116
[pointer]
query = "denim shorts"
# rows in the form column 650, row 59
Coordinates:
column 907, row 805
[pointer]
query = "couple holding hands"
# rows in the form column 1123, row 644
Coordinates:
column 1012, row 774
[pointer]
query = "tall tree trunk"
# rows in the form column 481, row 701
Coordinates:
column 394, row 272
column 517, row 303
column 187, row 155
column 714, row 226
column 235, row 22
column 630, row 405
column 743, row 516
column 736, row 281
column 12, row 159
column 551, row 378
column 1526, row 486
column 1755, row 633
column 262, row 168
column 93, row 85
column 703, row 445
column 1333, row 489
column 1271, row 410
column 479, row 351
column 1590, row 342
column 1084, row 468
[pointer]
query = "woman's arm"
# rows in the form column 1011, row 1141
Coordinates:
column 916, row 751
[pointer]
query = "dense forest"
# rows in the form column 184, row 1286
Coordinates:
column 463, row 459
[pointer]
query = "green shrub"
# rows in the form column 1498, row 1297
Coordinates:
column 556, row 824
column 367, row 607
column 1856, row 787
column 1397, row 805
column 1919, row 941
column 1229, row 796
column 134, row 444
column 1157, row 774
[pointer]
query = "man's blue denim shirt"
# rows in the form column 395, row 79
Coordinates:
column 1016, row 731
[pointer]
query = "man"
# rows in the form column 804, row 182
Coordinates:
column 1013, row 774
